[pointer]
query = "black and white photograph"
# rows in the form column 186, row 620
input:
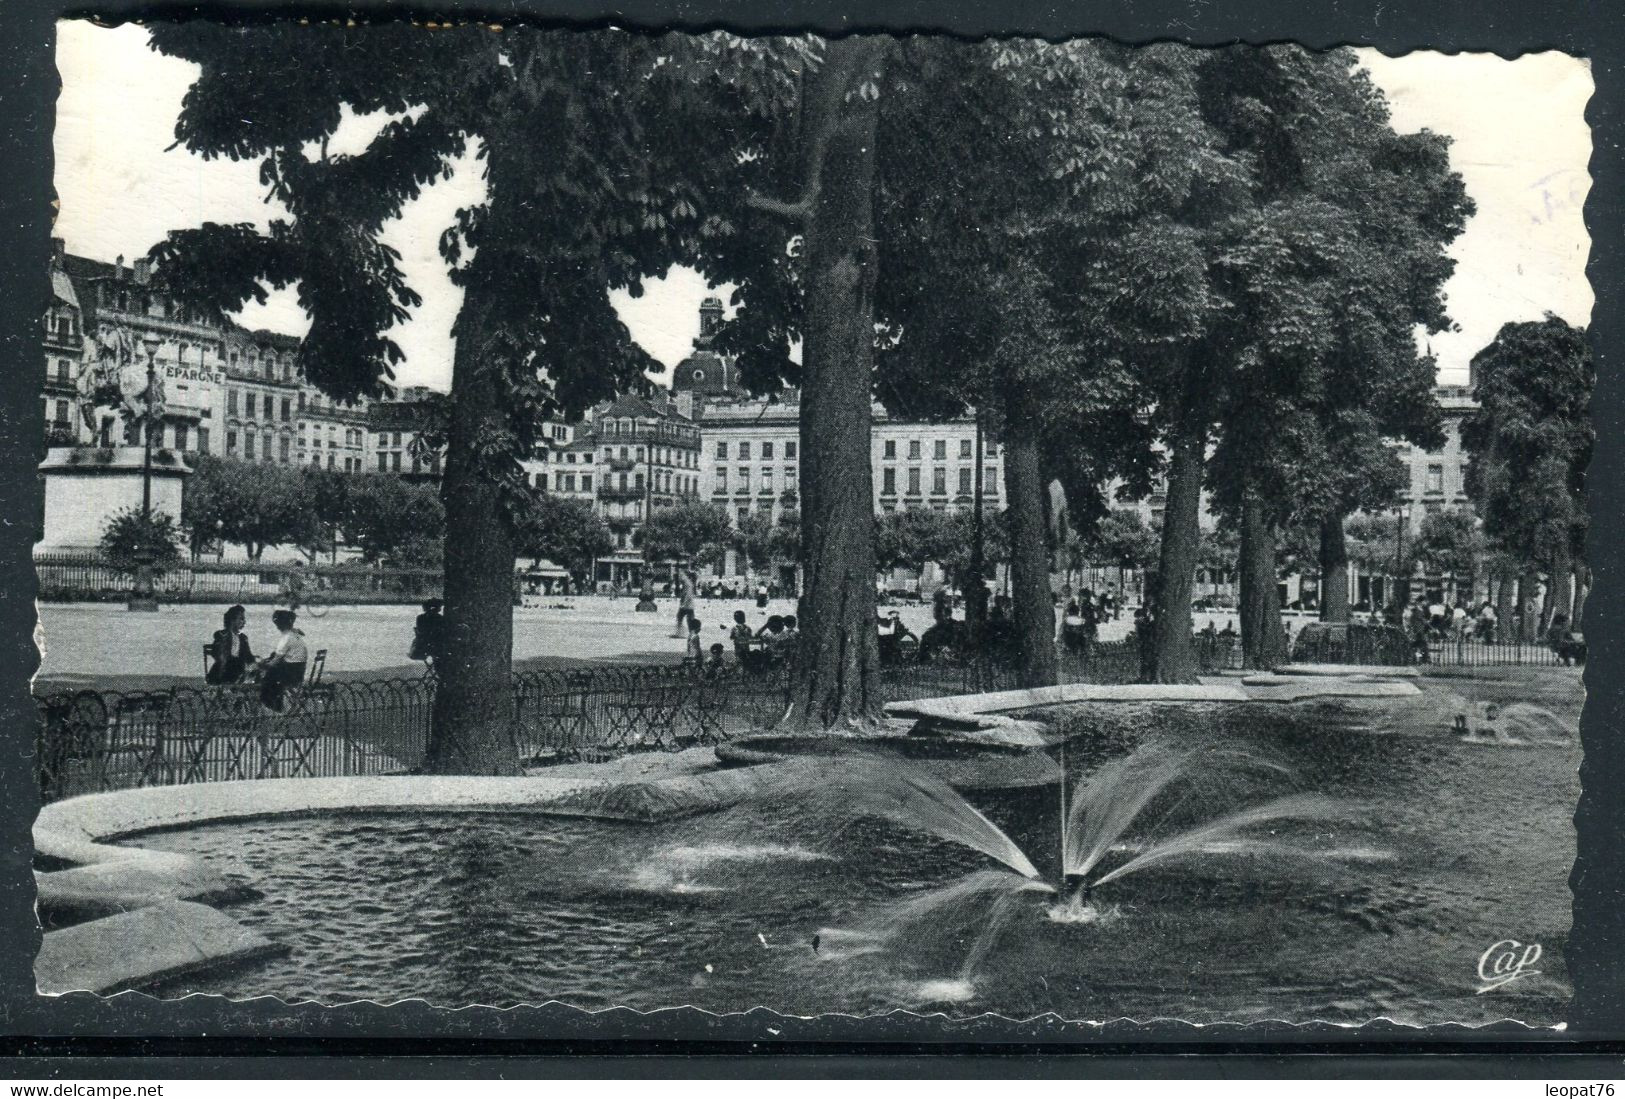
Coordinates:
column 997, row 526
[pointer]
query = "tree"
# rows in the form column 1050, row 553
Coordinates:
column 1449, row 543
column 129, row 535
column 755, row 539
column 1334, row 264
column 911, row 538
column 255, row 504
column 1531, row 440
column 785, row 541
column 588, row 188
column 689, row 532
column 395, row 522
column 568, row 532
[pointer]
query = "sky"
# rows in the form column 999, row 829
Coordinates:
column 1518, row 126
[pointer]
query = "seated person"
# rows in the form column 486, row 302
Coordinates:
column 1569, row 647
column 892, row 633
column 285, row 667
column 229, row 649
column 428, row 634
column 943, row 639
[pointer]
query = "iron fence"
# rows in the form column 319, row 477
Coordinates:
column 90, row 578
column 90, row 741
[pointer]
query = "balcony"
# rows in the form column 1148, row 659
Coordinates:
column 631, row 492
column 622, row 463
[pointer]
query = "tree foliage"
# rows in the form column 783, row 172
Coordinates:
column 568, row 532
column 690, row 532
column 255, row 504
column 129, row 537
column 1531, row 440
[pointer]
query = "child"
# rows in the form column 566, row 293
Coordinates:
column 741, row 637
column 694, row 653
column 716, row 667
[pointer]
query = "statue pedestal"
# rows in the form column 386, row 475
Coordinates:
column 87, row 486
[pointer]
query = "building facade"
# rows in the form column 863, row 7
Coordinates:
column 228, row 392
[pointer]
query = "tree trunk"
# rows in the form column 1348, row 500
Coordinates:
column 1263, row 643
column 1582, row 588
column 1334, row 570
column 471, row 731
column 836, row 678
column 1173, row 656
column 1506, row 603
column 1560, row 591
column 1034, row 610
column 1528, row 607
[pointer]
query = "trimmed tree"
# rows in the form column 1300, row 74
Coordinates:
column 689, row 532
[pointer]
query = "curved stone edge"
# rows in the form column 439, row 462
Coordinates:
column 110, row 953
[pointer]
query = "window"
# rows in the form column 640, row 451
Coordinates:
column 790, row 448
column 991, row 449
column 567, row 482
column 383, row 463
column 638, row 482
column 990, row 479
column 287, row 410
column 939, row 450
column 914, row 482
column 914, row 449
column 767, row 478
column 890, row 449
column 964, row 481
column 767, row 452
column 64, row 370
column 395, row 461
column 939, row 482
column 1435, row 478
column 62, row 413
column 301, row 400
column 330, row 462
column 248, row 444
column 744, row 450
column 231, row 442
column 180, row 436
column 744, row 514
column 744, row 478
column 964, row 448
column 397, row 438
column 888, row 481
column 722, row 479
column 203, row 440
column 586, row 482
column 790, row 481
column 265, row 447
column 248, row 405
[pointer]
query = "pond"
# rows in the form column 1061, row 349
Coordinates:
column 1440, row 848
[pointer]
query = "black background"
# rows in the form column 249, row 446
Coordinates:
column 83, row 1036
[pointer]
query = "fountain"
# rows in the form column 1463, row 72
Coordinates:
column 1167, row 793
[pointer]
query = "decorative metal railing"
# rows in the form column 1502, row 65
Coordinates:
column 89, row 741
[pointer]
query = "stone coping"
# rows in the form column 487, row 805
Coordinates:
column 1341, row 671
column 144, row 946
column 1001, row 701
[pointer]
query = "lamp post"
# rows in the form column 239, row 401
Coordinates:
column 145, row 598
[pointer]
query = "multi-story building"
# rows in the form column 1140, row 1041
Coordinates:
column 646, row 457
column 394, row 435
column 228, row 392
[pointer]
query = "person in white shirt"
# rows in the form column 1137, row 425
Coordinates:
column 285, row 667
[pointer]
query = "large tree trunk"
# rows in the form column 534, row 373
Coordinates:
column 1334, row 570
column 836, row 679
column 1263, row 642
column 1173, row 656
column 1034, row 609
column 1582, row 588
column 472, row 732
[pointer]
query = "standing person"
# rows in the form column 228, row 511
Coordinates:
column 429, row 634
column 285, row 667
column 685, row 602
column 695, row 654
column 229, row 650
column 741, row 636
column 761, row 595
